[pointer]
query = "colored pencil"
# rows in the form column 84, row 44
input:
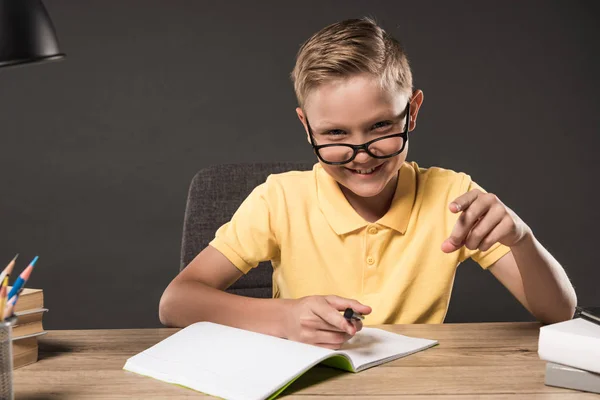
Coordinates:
column 22, row 279
column 10, row 306
column 3, row 291
column 9, row 268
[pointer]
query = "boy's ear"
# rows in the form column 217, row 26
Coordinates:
column 415, row 105
column 303, row 120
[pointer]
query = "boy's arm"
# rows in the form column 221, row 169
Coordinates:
column 542, row 286
column 529, row 271
column 196, row 294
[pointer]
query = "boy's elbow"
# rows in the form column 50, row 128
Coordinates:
column 570, row 304
column 165, row 308
column 563, row 312
column 566, row 314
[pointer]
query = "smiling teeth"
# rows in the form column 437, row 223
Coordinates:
column 365, row 171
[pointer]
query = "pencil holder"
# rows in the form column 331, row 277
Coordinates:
column 6, row 368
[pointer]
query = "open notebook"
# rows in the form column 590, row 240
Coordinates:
column 236, row 364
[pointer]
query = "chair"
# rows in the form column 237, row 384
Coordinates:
column 214, row 195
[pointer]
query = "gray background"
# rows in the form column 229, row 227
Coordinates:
column 98, row 150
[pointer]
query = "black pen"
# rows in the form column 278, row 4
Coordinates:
column 350, row 314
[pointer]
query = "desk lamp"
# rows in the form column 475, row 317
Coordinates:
column 26, row 33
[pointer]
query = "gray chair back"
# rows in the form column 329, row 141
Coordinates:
column 214, row 195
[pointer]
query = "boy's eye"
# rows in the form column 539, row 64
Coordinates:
column 382, row 124
column 335, row 132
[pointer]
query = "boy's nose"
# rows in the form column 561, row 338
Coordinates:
column 362, row 156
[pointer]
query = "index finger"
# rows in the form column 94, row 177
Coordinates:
column 463, row 202
column 341, row 303
column 331, row 316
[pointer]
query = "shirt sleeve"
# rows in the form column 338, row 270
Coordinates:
column 248, row 238
column 484, row 258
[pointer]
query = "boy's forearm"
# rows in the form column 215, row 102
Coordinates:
column 185, row 302
column 549, row 293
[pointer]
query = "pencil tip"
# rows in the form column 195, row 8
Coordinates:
column 34, row 261
column 15, row 259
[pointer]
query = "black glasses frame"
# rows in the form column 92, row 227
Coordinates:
column 365, row 146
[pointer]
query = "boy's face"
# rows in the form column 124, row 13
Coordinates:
column 356, row 110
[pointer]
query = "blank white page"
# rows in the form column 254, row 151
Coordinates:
column 226, row 362
column 372, row 346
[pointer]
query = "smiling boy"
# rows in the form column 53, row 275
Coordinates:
column 364, row 228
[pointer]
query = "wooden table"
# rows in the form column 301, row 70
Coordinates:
column 482, row 360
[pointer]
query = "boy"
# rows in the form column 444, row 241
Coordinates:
column 364, row 229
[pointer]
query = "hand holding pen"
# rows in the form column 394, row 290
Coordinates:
column 317, row 320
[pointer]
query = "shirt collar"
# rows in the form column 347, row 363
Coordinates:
column 344, row 219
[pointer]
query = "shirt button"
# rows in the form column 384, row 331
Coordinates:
column 372, row 230
column 370, row 260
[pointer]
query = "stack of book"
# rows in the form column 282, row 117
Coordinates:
column 28, row 327
column 572, row 351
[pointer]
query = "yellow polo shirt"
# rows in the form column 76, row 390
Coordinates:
column 319, row 245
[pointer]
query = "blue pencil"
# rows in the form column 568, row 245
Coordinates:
column 22, row 279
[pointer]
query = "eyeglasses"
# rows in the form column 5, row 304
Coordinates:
column 342, row 153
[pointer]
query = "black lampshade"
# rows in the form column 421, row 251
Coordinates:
column 26, row 33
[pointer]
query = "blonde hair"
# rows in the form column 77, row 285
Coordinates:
column 348, row 48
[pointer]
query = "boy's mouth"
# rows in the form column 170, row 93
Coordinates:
column 365, row 172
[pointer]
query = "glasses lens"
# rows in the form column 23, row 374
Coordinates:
column 381, row 148
column 336, row 154
column 386, row 147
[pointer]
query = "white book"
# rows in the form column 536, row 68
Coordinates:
column 237, row 364
column 575, row 343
